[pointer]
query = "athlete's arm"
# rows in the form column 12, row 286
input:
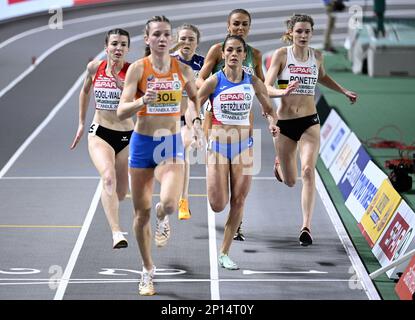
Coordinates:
column 193, row 108
column 128, row 104
column 213, row 57
column 258, row 64
column 203, row 93
column 84, row 97
column 330, row 83
column 207, row 123
column 266, row 105
column 118, row 82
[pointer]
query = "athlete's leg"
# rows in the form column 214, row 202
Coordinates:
column 277, row 163
column 170, row 175
column 217, row 181
column 187, row 139
column 287, row 154
column 184, row 212
column 239, row 234
column 240, row 183
column 103, row 157
column 309, row 145
column 121, row 172
column 142, row 191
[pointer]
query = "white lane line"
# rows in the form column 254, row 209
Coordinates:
column 248, row 272
column 46, row 121
column 358, row 266
column 213, row 254
column 50, row 116
column 77, row 37
column 97, row 178
column 53, row 178
column 57, row 46
column 41, row 126
column 121, row 13
column 101, row 281
column 78, row 246
column 51, row 50
column 253, row 178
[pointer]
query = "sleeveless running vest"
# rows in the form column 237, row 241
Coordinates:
column 248, row 64
column 232, row 102
column 169, row 88
column 305, row 72
column 196, row 63
column 107, row 94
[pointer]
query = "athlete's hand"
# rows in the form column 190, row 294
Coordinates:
column 352, row 96
column 118, row 82
column 78, row 136
column 198, row 136
column 274, row 130
column 291, row 87
column 150, row 95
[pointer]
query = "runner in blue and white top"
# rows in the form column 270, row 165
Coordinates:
column 238, row 24
column 229, row 155
column 232, row 102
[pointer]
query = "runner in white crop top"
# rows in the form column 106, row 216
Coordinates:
column 305, row 72
column 298, row 68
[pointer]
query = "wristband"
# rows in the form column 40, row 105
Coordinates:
column 197, row 118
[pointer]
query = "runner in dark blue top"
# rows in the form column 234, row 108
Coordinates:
column 188, row 37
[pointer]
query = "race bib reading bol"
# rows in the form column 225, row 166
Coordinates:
column 169, row 96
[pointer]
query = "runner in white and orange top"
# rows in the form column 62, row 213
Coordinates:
column 108, row 136
column 298, row 68
column 153, row 91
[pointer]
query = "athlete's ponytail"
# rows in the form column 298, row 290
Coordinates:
column 147, row 50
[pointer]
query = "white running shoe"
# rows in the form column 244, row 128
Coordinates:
column 162, row 234
column 146, row 287
column 118, row 240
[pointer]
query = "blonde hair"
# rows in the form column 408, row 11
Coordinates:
column 287, row 37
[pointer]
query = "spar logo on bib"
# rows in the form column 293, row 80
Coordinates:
column 300, row 70
column 161, row 85
column 235, row 96
column 165, row 85
column 232, row 96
